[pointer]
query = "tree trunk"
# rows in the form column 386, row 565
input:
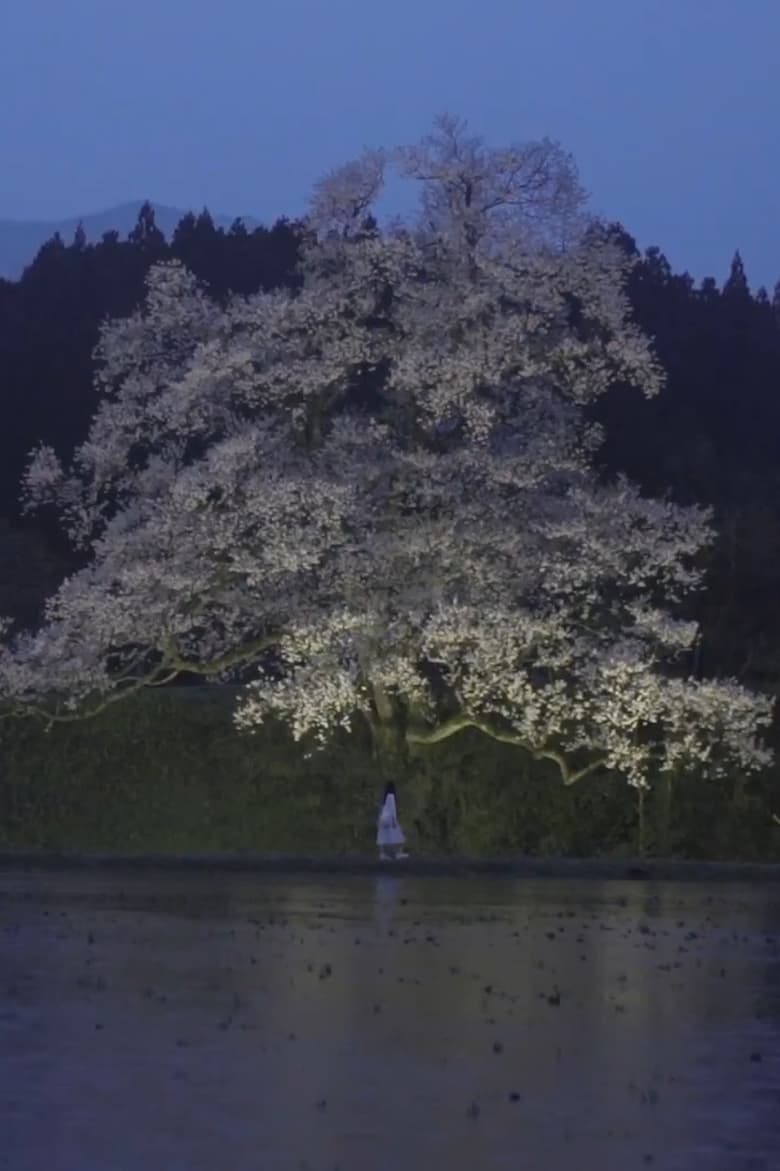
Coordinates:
column 395, row 760
column 642, row 844
column 666, row 815
column 388, row 750
column 388, row 741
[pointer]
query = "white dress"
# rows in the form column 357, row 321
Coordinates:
column 388, row 831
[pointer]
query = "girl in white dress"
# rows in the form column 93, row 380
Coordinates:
column 389, row 834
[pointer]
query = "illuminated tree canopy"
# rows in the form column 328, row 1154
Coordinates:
column 375, row 496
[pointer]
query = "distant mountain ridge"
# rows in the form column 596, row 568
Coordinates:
column 21, row 239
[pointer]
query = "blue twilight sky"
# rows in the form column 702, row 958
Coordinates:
column 671, row 107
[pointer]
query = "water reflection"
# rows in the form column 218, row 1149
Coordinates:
column 387, row 892
column 178, row 1021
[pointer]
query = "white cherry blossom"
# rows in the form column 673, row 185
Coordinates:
column 374, row 497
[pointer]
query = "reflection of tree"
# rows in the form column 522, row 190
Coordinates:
column 655, row 982
column 385, row 1002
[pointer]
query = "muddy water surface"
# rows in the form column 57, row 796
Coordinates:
column 158, row 1021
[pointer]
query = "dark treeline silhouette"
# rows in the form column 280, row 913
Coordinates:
column 49, row 322
column 711, row 436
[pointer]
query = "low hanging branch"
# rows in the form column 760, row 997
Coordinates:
column 172, row 665
column 460, row 723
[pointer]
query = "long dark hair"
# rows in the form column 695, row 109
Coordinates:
column 389, row 788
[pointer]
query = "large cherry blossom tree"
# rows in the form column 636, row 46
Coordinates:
column 375, row 499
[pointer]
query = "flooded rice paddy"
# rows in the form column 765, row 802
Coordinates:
column 166, row 1021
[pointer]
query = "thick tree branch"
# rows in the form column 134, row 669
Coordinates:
column 174, row 660
column 56, row 715
column 461, row 722
column 172, row 665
